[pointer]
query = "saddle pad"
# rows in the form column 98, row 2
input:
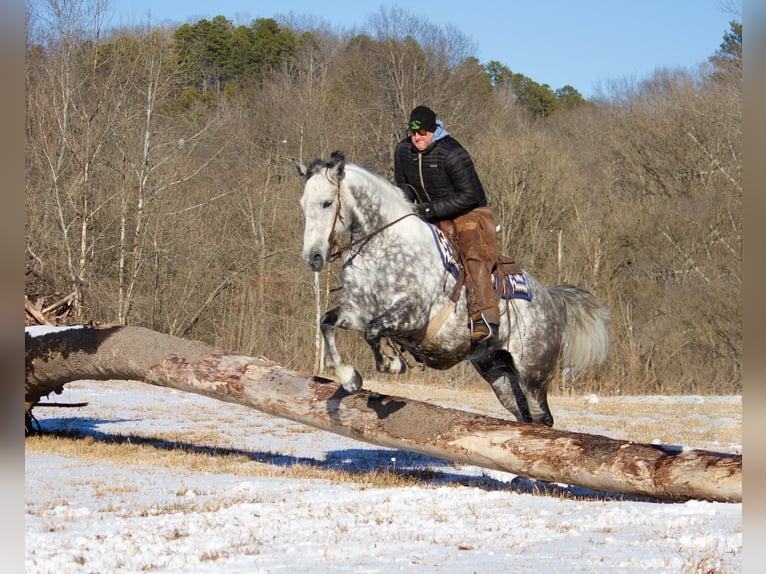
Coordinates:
column 445, row 251
column 513, row 286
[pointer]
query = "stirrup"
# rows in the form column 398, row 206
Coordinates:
column 482, row 330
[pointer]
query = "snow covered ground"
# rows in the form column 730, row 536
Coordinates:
column 136, row 513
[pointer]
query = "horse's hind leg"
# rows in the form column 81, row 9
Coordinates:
column 375, row 331
column 348, row 376
column 536, row 390
column 499, row 370
column 383, row 362
column 393, row 321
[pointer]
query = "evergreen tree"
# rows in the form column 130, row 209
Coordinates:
column 536, row 98
column 569, row 97
column 728, row 58
column 214, row 53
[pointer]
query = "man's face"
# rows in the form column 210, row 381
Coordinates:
column 422, row 139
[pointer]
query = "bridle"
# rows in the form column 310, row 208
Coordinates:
column 333, row 237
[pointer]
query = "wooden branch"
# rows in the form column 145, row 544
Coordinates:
column 591, row 461
column 68, row 299
column 35, row 313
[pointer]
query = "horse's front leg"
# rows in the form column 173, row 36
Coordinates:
column 348, row 376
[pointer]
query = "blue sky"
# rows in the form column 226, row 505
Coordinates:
column 586, row 44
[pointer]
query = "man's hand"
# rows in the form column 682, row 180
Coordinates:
column 425, row 210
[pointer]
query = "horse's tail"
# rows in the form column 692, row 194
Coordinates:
column 586, row 337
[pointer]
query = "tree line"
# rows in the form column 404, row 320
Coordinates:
column 160, row 190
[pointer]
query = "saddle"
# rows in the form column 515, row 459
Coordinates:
column 507, row 276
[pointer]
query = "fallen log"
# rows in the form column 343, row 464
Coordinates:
column 56, row 356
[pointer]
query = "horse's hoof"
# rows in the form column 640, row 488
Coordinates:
column 350, row 379
column 547, row 420
column 394, row 366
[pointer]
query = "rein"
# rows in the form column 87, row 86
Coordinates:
column 333, row 239
column 345, row 248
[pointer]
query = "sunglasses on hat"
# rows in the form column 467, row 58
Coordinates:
column 416, row 129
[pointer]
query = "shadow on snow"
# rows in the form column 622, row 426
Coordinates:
column 423, row 469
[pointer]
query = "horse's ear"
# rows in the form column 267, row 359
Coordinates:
column 300, row 168
column 337, row 164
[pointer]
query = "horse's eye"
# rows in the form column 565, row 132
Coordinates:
column 326, row 204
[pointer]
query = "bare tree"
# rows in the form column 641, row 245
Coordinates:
column 70, row 115
column 156, row 157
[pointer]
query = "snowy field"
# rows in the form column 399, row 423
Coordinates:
column 183, row 483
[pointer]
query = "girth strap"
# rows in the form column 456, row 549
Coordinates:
column 435, row 325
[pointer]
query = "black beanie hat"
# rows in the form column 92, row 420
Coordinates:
column 422, row 118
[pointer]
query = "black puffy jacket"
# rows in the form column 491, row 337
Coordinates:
column 443, row 175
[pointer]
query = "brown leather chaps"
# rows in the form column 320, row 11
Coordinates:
column 477, row 239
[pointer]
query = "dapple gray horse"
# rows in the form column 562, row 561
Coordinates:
column 395, row 286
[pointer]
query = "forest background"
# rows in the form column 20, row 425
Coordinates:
column 160, row 189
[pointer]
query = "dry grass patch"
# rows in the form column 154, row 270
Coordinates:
column 132, row 450
column 713, row 423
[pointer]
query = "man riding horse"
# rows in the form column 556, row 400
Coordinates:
column 438, row 175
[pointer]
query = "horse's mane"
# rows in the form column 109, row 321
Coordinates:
column 392, row 192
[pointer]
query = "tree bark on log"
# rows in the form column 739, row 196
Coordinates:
column 596, row 462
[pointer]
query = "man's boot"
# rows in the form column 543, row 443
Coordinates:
column 482, row 302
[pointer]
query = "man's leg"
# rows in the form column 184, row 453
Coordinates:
column 477, row 234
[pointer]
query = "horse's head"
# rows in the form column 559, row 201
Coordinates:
column 322, row 209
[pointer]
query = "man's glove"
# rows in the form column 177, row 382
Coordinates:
column 425, row 210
